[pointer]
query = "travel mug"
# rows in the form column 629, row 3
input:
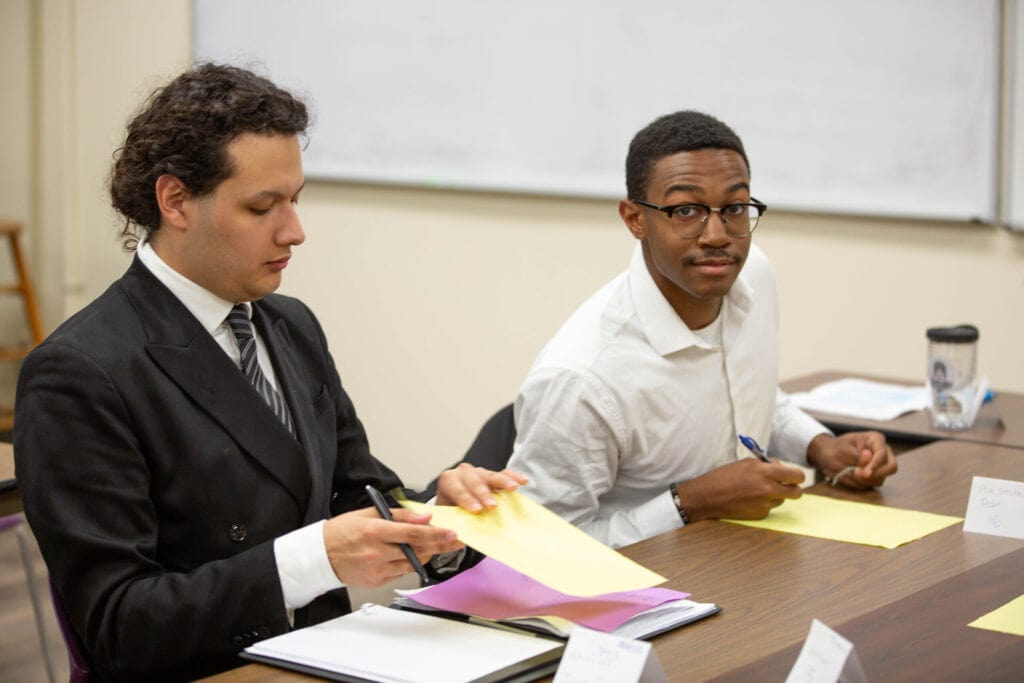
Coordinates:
column 952, row 361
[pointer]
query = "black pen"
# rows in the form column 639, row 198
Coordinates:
column 385, row 512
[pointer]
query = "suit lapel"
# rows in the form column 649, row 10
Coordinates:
column 180, row 346
column 291, row 383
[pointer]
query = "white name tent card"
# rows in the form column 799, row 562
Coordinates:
column 595, row 657
column 996, row 507
column 826, row 657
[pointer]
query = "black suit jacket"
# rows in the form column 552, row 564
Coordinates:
column 156, row 479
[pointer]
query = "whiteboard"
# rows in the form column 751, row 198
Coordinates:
column 875, row 107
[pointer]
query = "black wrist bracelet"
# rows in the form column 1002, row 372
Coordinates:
column 674, row 490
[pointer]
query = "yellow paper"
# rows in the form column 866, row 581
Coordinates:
column 843, row 520
column 1007, row 619
column 535, row 541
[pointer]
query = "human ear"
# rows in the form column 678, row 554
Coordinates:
column 173, row 199
column 631, row 216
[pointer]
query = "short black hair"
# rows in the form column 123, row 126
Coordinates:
column 683, row 131
column 184, row 129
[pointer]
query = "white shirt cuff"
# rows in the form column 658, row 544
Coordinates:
column 657, row 516
column 303, row 567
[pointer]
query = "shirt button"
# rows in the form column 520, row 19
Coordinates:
column 238, row 532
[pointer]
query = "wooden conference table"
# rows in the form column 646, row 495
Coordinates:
column 1000, row 421
column 905, row 610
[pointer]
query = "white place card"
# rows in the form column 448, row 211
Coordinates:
column 596, row 657
column 996, row 507
column 826, row 657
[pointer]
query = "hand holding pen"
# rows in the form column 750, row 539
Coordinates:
column 745, row 489
column 382, row 508
column 751, row 445
column 365, row 550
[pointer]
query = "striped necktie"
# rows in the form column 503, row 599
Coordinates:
column 241, row 327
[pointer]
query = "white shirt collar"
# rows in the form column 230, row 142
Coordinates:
column 664, row 328
column 208, row 308
column 662, row 325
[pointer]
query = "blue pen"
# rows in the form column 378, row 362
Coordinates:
column 752, row 446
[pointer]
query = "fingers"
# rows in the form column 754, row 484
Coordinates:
column 785, row 474
column 422, row 538
column 833, row 453
column 781, row 482
column 405, row 516
column 875, row 462
column 471, row 487
column 518, row 478
column 364, row 549
column 882, row 465
column 791, row 491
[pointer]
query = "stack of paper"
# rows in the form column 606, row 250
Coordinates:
column 863, row 398
column 496, row 592
column 526, row 536
column 589, row 584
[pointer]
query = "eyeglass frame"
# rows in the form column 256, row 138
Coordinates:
column 669, row 209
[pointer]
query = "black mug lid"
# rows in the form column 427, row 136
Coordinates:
column 961, row 334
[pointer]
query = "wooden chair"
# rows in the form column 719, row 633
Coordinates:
column 22, row 287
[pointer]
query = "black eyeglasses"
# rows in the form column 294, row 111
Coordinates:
column 690, row 219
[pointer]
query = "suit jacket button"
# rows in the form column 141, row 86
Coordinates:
column 238, row 532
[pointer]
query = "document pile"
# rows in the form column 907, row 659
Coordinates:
column 492, row 592
column 543, row 573
column 853, row 397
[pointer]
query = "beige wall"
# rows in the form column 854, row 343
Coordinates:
column 15, row 168
column 435, row 302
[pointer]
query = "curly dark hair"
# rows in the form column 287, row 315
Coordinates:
column 683, row 131
column 184, row 129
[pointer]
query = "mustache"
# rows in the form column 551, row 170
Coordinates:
column 713, row 254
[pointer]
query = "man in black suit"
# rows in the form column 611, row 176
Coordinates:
column 186, row 508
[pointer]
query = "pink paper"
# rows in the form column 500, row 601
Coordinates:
column 495, row 591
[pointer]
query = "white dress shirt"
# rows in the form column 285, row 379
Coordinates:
column 626, row 400
column 302, row 564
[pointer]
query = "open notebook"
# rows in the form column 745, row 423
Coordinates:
column 377, row 643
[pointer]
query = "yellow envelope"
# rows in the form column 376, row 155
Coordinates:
column 1007, row 619
column 535, row 541
column 843, row 520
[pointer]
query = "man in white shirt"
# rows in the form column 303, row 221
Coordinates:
column 628, row 423
column 188, row 459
